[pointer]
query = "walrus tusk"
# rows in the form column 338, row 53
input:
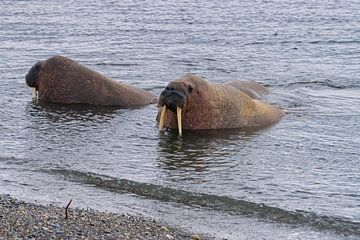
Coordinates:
column 162, row 118
column 34, row 93
column 178, row 112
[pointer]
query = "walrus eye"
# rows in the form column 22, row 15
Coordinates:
column 190, row 89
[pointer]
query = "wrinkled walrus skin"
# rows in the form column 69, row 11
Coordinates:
column 62, row 80
column 203, row 105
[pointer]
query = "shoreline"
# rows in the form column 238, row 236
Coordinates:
column 22, row 220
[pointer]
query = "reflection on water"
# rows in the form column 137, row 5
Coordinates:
column 62, row 113
column 197, row 152
column 62, row 134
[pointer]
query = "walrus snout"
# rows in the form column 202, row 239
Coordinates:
column 172, row 99
column 32, row 75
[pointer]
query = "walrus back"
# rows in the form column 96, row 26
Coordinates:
column 265, row 114
column 66, row 81
column 249, row 87
column 232, row 108
column 223, row 107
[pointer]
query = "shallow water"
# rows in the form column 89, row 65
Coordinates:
column 298, row 179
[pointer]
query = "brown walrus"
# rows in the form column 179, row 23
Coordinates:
column 196, row 104
column 62, row 80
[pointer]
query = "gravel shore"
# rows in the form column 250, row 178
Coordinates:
column 20, row 220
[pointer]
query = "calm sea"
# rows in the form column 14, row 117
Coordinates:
column 298, row 179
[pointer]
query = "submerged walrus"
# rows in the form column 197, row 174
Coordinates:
column 196, row 104
column 62, row 80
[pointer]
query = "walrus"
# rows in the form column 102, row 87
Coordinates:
column 63, row 80
column 196, row 104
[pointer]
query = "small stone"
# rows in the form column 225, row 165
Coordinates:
column 195, row 237
column 168, row 236
column 164, row 229
column 32, row 236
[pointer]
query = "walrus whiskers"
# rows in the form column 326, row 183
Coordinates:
column 162, row 118
column 178, row 113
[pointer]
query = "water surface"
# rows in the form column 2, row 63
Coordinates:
column 298, row 179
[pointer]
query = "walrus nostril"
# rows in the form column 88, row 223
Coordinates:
column 169, row 89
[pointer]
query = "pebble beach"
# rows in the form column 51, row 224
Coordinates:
column 21, row 220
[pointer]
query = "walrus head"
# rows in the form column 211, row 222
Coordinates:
column 177, row 97
column 32, row 75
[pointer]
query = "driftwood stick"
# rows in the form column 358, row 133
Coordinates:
column 67, row 208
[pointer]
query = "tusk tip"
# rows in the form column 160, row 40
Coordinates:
column 162, row 118
column 179, row 120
